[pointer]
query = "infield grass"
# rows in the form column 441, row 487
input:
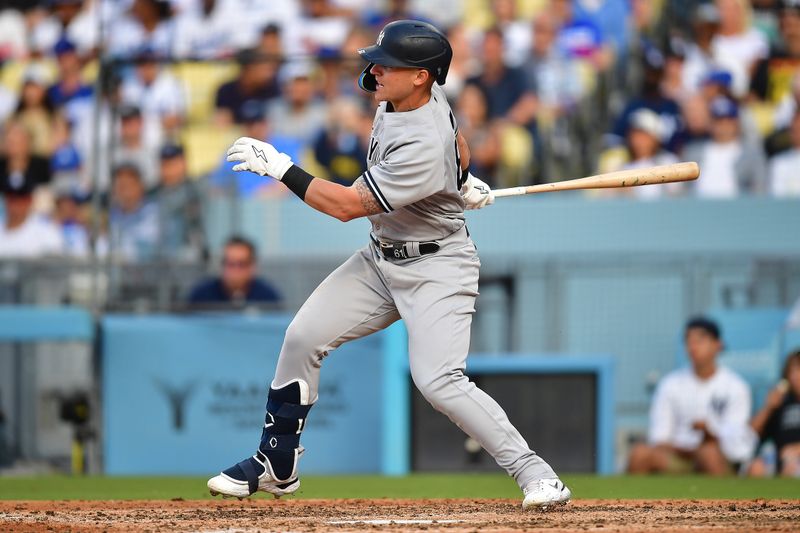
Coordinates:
column 414, row 486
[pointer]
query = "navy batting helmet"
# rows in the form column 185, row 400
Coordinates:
column 407, row 43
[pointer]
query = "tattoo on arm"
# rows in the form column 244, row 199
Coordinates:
column 368, row 201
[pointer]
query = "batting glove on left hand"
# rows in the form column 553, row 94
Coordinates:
column 259, row 157
column 476, row 193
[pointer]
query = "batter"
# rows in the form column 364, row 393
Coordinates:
column 420, row 265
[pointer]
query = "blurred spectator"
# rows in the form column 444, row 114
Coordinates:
column 73, row 20
column 510, row 97
column 8, row 99
column 784, row 179
column 699, row 53
column 779, row 421
column 652, row 97
column 13, row 35
column 645, row 150
column 789, row 104
column 731, row 165
column 482, row 137
column 270, row 44
column 135, row 146
column 67, row 171
column 342, row 146
column 238, row 282
column 580, row 37
column 214, row 29
column 517, row 34
column 390, row 11
column 672, row 85
column 158, row 93
column 738, row 46
column 699, row 415
column 463, row 64
column 249, row 184
column 146, row 26
column 35, row 110
column 19, row 163
column 179, row 202
column 321, row 29
column 23, row 233
column 772, row 76
column 696, row 109
column 556, row 77
column 612, row 17
column 257, row 81
column 298, row 114
column 69, row 217
column 70, row 79
column 340, row 68
column 133, row 221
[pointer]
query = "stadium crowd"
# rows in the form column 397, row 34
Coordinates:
column 132, row 102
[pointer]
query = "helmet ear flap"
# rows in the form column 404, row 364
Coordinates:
column 367, row 80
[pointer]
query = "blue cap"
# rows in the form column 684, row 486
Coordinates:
column 724, row 107
column 719, row 77
column 168, row 151
column 65, row 158
column 63, row 46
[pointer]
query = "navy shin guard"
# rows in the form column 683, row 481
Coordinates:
column 287, row 409
column 279, row 449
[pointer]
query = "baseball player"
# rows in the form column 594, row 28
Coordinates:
column 420, row 265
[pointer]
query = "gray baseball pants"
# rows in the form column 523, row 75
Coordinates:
column 435, row 296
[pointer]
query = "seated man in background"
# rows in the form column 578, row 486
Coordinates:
column 238, row 283
column 779, row 421
column 699, row 416
column 23, row 233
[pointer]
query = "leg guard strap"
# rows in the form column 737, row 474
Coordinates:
column 250, row 474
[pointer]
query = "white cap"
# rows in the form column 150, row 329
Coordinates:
column 647, row 121
column 293, row 70
column 36, row 73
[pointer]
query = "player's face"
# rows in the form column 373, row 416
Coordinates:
column 701, row 346
column 394, row 83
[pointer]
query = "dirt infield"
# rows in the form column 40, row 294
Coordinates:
column 398, row 515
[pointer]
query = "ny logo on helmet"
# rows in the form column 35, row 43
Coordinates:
column 380, row 38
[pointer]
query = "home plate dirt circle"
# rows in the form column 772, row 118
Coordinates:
column 451, row 516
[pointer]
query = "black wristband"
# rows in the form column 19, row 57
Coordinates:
column 297, row 180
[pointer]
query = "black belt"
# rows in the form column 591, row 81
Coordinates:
column 405, row 250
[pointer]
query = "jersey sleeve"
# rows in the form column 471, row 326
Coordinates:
column 410, row 172
column 662, row 416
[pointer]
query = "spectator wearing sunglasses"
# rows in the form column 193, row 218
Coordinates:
column 238, row 282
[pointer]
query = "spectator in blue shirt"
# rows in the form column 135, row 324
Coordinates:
column 238, row 283
column 70, row 83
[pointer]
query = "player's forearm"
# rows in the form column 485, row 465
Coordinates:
column 336, row 200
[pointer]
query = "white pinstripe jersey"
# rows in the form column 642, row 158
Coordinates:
column 413, row 171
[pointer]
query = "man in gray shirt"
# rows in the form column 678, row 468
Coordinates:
column 421, row 266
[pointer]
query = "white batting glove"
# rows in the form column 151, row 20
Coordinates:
column 259, row 157
column 476, row 193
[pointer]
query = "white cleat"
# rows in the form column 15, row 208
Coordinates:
column 233, row 488
column 544, row 493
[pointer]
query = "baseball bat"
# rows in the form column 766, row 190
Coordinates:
column 623, row 178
